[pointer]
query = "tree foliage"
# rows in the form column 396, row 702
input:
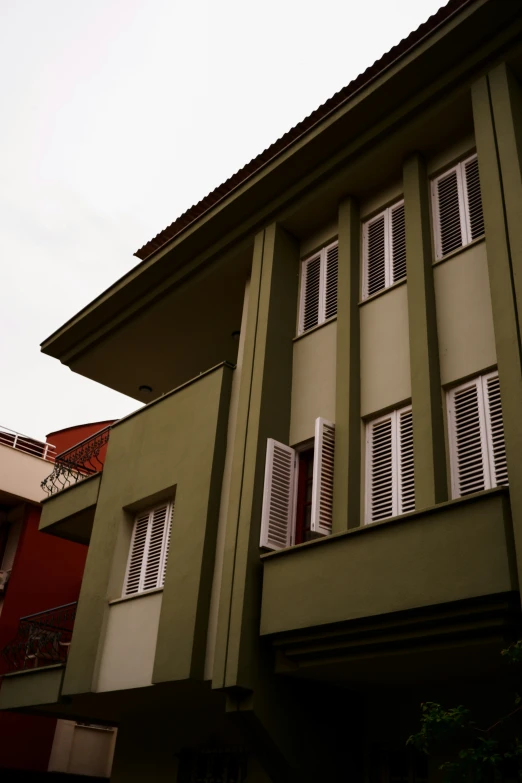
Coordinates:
column 474, row 754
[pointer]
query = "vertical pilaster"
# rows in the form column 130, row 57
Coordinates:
column 347, row 475
column 496, row 106
column 263, row 412
column 431, row 485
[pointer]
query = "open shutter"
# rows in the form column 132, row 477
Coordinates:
column 405, row 460
column 468, row 439
column 310, row 293
column 495, row 430
column 380, row 470
column 154, row 556
column 277, row 519
column 330, row 299
column 133, row 580
column 449, row 225
column 322, row 491
column 398, row 242
column 473, row 199
column 374, row 255
column 166, row 548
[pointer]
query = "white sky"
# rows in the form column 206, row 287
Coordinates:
column 117, row 115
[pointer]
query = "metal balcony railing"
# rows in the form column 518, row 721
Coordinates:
column 78, row 463
column 36, row 448
column 42, row 639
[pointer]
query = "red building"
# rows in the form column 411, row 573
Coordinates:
column 40, row 578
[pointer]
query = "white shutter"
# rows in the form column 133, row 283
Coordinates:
column 397, row 242
column 331, row 265
column 495, row 430
column 153, row 560
column 140, row 532
column 469, row 458
column 278, row 515
column 323, row 477
column 473, row 199
column 374, row 255
column 448, row 212
column 166, row 548
column 310, row 293
column 149, row 548
column 380, row 469
column 405, row 461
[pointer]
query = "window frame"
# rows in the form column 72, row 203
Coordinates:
column 165, row 546
column 322, row 254
column 385, row 213
column 395, row 417
column 489, row 469
column 464, row 210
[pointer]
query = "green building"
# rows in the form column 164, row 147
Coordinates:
column 308, row 529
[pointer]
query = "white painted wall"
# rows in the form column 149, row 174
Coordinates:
column 80, row 749
column 21, row 474
column 129, row 645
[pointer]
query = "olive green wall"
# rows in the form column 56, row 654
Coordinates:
column 31, row 688
column 177, row 442
column 126, row 655
column 70, row 513
column 392, row 566
column 464, row 314
column 313, row 381
column 385, row 351
column 263, row 412
column 318, row 239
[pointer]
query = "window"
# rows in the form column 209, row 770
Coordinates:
column 149, row 550
column 457, row 207
column 476, row 436
column 290, row 516
column 390, row 485
column 318, row 288
column 384, row 250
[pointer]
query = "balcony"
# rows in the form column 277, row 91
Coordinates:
column 396, row 600
column 71, row 514
column 24, row 462
column 34, row 660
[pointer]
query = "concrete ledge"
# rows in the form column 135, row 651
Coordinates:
column 31, row 688
column 70, row 513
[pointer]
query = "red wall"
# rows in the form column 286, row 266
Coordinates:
column 47, row 572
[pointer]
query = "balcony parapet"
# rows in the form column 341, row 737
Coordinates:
column 42, row 639
column 78, row 463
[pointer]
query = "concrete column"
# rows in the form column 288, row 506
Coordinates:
column 347, row 476
column 431, row 485
column 496, row 111
column 263, row 412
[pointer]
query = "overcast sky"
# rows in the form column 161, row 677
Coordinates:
column 117, row 115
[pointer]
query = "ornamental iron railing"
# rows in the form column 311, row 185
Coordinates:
column 36, row 448
column 78, row 463
column 42, row 639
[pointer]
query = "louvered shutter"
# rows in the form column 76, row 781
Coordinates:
column 495, row 430
column 277, row 518
column 166, row 550
column 149, row 550
column 473, row 199
column 331, row 274
column 374, row 255
column 406, row 490
column 310, row 294
column 450, row 228
column 323, row 477
column 397, row 242
column 153, row 560
column 470, row 471
column 380, row 469
column 140, row 534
